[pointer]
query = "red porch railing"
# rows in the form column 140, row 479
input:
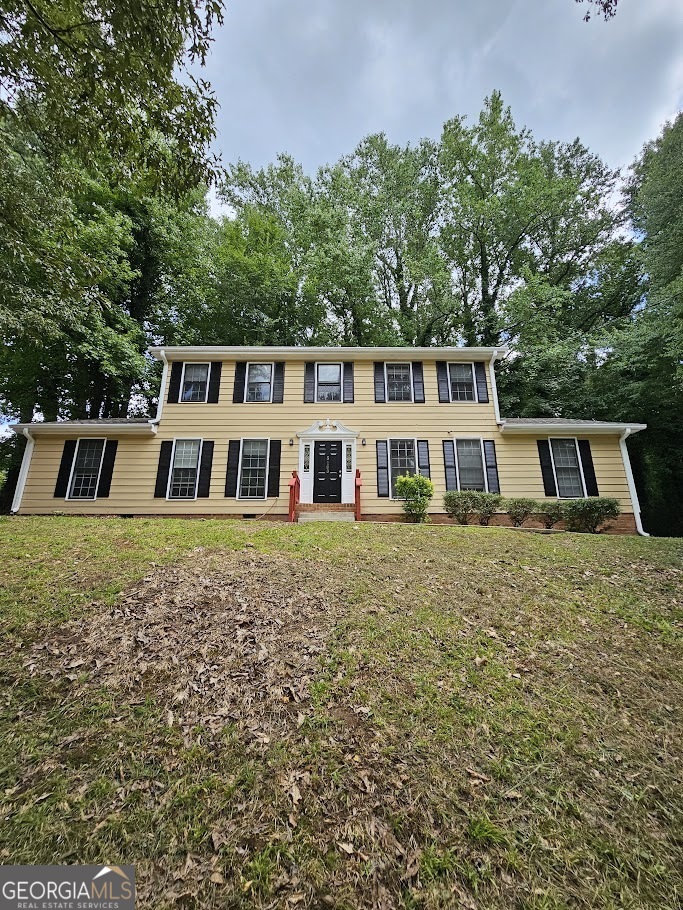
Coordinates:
column 294, row 494
column 359, row 484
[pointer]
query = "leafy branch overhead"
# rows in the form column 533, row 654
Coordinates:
column 111, row 81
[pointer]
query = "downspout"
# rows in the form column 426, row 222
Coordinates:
column 631, row 483
column 23, row 470
column 162, row 391
column 494, row 387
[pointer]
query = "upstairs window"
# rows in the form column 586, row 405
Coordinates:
column 329, row 382
column 253, row 469
column 401, row 460
column 86, row 469
column 461, row 381
column 399, row 379
column 259, row 382
column 195, row 382
column 470, row 464
column 182, row 482
column 567, row 468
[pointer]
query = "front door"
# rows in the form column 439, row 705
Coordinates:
column 327, row 472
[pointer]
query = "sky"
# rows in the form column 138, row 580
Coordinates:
column 312, row 77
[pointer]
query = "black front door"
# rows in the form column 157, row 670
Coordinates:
column 327, row 478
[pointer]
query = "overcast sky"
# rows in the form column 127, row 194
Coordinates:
column 312, row 77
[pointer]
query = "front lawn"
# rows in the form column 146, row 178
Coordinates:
column 353, row 716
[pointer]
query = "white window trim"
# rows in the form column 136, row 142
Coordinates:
column 470, row 364
column 386, row 384
column 578, row 458
column 480, row 440
column 71, row 498
column 195, row 363
column 330, row 363
column 170, row 472
column 258, row 363
column 265, row 439
column 400, row 439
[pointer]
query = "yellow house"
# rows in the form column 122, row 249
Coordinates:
column 287, row 432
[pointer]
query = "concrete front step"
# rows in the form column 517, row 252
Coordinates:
column 325, row 516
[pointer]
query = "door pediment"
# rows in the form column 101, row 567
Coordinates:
column 327, row 428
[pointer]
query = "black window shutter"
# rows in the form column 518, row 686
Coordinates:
column 309, row 382
column 68, row 452
column 174, row 384
column 588, row 468
column 380, row 393
column 214, row 381
column 423, row 457
column 205, row 462
column 348, row 383
column 382, row 468
column 233, row 468
column 449, row 464
column 104, row 485
column 491, row 466
column 547, row 468
column 240, row 379
column 480, row 378
column 274, row 467
column 163, row 469
column 418, row 383
column 279, row 383
column 442, row 380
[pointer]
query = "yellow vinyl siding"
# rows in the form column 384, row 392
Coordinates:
column 132, row 488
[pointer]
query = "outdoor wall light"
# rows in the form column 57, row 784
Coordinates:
column 291, row 442
column 362, row 442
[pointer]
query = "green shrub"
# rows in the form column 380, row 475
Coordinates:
column 486, row 505
column 416, row 492
column 460, row 506
column 550, row 513
column 520, row 509
column 588, row 514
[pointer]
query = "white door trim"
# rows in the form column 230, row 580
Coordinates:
column 323, row 430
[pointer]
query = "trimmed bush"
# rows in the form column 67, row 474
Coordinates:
column 460, row 506
column 486, row 505
column 520, row 509
column 416, row 492
column 550, row 513
column 588, row 514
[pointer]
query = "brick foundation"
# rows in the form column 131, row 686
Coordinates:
column 624, row 524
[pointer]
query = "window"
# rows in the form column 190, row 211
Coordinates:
column 399, row 382
column 349, row 458
column 182, row 483
column 195, row 382
column 401, row 460
column 253, row 469
column 259, row 382
column 328, row 382
column 307, row 459
column 86, row 469
column 461, row 381
column 470, row 464
column 567, row 468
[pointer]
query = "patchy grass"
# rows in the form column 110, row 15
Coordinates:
column 350, row 716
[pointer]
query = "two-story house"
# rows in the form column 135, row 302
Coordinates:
column 277, row 432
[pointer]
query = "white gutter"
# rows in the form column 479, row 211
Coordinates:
column 295, row 352
column 23, row 470
column 494, row 387
column 162, row 391
column 630, row 481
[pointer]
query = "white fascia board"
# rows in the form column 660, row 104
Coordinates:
column 325, row 353
column 65, row 428
column 547, row 429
